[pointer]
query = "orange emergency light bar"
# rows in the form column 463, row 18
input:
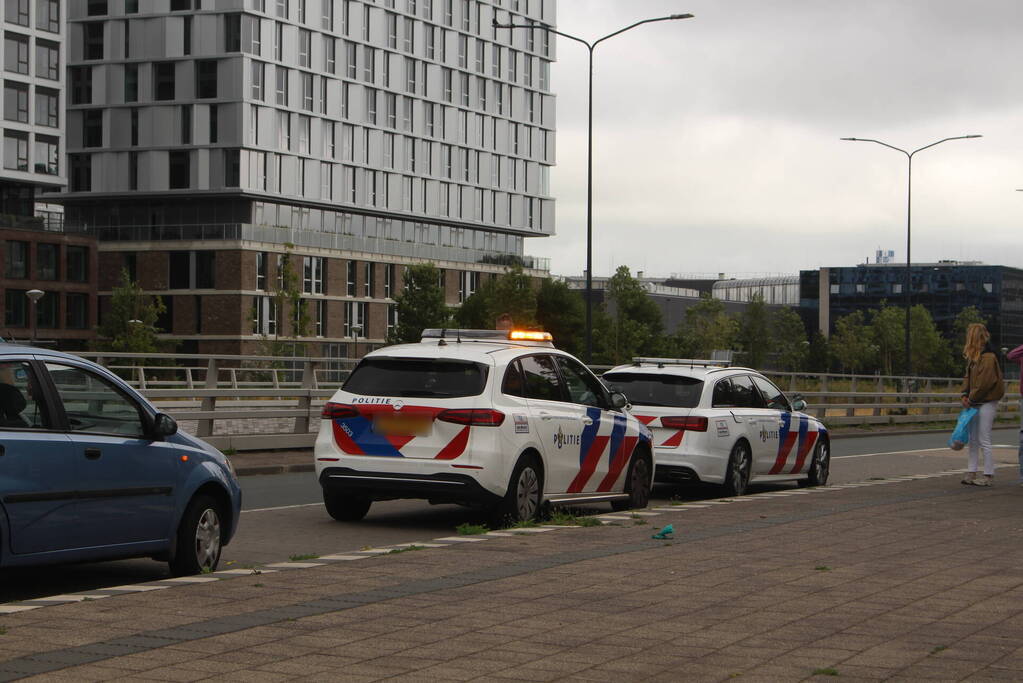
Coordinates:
column 530, row 335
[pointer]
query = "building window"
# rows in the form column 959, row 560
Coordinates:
column 16, row 263
column 261, row 264
column 368, row 280
column 179, row 169
column 15, row 53
column 46, row 311
column 258, row 75
column 16, row 12
column 77, row 315
column 15, row 308
column 163, row 81
column 305, row 39
column 16, row 150
column 307, row 92
column 206, row 79
column 47, row 107
column 192, row 269
column 81, row 172
column 282, row 9
column 131, row 82
column 355, row 320
column 47, row 14
column 47, row 256
column 81, row 84
column 265, row 320
column 46, row 154
column 77, row 264
column 351, row 273
column 327, row 15
column 16, row 101
column 330, row 55
column 321, row 317
column 312, row 274
column 281, row 91
column 93, row 39
column 92, row 128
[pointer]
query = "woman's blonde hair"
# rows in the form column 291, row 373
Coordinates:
column 976, row 337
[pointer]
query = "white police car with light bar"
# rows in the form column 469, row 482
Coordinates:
column 723, row 425
column 494, row 419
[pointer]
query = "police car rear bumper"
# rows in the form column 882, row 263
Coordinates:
column 439, row 488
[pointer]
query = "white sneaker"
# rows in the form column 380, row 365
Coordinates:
column 969, row 478
column 986, row 480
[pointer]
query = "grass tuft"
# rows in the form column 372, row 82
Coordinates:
column 302, row 558
column 827, row 671
column 467, row 529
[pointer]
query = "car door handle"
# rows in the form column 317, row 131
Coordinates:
column 587, row 420
column 546, row 416
column 93, row 453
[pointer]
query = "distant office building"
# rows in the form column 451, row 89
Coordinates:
column 33, row 119
column 944, row 288
column 211, row 140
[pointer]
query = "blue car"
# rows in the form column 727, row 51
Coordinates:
column 89, row 470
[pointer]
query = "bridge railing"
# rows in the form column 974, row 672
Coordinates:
column 266, row 402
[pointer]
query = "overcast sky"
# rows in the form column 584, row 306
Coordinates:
column 716, row 139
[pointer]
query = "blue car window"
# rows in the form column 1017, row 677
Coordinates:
column 21, row 403
column 93, row 404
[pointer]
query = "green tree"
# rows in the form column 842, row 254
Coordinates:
column 130, row 326
column 288, row 294
column 634, row 326
column 818, row 357
column 562, row 312
column 420, row 304
column 707, row 328
column 928, row 349
column 754, row 336
column 852, row 345
column 789, row 337
column 512, row 293
column 889, row 333
column 962, row 322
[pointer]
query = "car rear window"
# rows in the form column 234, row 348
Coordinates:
column 423, row 377
column 657, row 390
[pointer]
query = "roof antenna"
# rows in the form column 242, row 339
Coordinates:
column 443, row 331
column 458, row 332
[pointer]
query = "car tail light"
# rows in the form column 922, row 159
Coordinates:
column 338, row 411
column 694, row 424
column 474, row 417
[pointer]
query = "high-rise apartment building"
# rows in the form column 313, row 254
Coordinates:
column 213, row 142
column 32, row 67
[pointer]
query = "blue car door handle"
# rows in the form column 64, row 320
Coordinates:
column 93, row 453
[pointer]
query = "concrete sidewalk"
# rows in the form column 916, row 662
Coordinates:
column 908, row 578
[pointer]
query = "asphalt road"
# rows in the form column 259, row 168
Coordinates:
column 283, row 515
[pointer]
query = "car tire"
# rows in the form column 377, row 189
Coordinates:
column 820, row 466
column 740, row 465
column 199, row 538
column 524, row 499
column 344, row 506
column 637, row 485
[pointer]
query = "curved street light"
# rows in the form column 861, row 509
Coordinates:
column 591, row 46
column 909, row 212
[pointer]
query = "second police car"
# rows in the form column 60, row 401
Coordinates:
column 723, row 425
column 493, row 419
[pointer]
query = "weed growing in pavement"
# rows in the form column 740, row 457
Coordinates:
column 256, row 571
column 467, row 529
column 563, row 517
column 3, row 631
column 257, row 585
column 407, row 548
column 637, row 520
column 206, row 570
column 827, row 671
column 938, row 649
column 230, row 451
column 300, row 558
column 822, row 568
column 524, row 524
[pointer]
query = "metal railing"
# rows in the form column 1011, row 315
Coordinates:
column 267, row 402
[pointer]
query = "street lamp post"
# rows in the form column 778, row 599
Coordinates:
column 34, row 295
column 590, row 46
column 909, row 223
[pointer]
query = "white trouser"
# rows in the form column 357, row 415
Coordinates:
column 980, row 436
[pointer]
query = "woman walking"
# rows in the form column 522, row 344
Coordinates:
column 982, row 389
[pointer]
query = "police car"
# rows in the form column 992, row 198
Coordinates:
column 723, row 425
column 494, row 419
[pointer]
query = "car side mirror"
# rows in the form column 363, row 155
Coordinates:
column 619, row 400
column 164, row 425
column 798, row 402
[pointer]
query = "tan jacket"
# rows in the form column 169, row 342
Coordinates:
column 983, row 380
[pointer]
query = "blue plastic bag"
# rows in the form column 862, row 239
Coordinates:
column 961, row 434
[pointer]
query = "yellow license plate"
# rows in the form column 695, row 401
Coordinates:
column 402, row 425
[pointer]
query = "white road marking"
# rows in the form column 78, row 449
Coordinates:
column 193, row 579
column 12, row 609
column 295, row 565
column 283, row 507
